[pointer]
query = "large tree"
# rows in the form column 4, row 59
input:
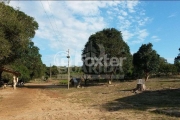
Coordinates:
column 146, row 60
column 105, row 53
column 17, row 49
column 16, row 31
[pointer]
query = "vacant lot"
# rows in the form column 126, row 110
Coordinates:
column 51, row 101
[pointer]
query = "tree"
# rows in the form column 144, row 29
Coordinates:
column 34, row 61
column 54, row 70
column 105, row 53
column 16, row 31
column 30, row 59
column 162, row 65
column 177, row 62
column 146, row 60
column 168, row 69
column 75, row 69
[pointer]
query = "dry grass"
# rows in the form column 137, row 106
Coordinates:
column 49, row 100
column 162, row 94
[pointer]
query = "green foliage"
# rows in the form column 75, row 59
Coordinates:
column 166, row 68
column 76, row 69
column 7, row 76
column 17, row 50
column 25, row 74
column 29, row 64
column 114, row 46
column 16, row 30
column 177, row 62
column 146, row 60
column 54, row 70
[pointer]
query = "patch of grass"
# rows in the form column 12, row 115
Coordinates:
column 37, row 81
column 118, row 97
column 64, row 82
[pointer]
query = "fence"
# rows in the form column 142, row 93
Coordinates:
column 87, row 76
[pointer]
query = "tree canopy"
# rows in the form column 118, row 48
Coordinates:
column 16, row 31
column 17, row 51
column 146, row 60
column 30, row 63
column 106, row 47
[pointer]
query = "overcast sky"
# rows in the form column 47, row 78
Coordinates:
column 67, row 25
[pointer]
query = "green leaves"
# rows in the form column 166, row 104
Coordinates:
column 146, row 59
column 16, row 48
column 106, row 42
column 29, row 63
column 16, row 30
column 177, row 62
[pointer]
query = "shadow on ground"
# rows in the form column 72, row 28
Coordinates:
column 160, row 99
column 43, row 86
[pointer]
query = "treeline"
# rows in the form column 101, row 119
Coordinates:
column 147, row 62
column 107, row 53
column 104, row 53
column 56, row 70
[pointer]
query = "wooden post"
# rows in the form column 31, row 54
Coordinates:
column 14, row 82
column 50, row 72
column 140, row 86
column 68, row 68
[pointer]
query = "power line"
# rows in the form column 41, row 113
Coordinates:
column 53, row 16
column 47, row 16
column 57, row 30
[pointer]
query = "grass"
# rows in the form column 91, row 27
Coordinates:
column 64, row 82
column 160, row 101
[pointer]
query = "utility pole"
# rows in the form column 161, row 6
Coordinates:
column 50, row 72
column 68, row 68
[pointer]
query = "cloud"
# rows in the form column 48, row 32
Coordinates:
column 68, row 24
column 122, row 12
column 143, row 21
column 155, row 38
column 89, row 8
column 121, row 17
column 172, row 15
column 141, row 36
column 131, row 5
column 127, row 35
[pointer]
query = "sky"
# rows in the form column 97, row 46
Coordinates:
column 67, row 25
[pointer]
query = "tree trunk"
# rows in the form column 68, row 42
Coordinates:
column 109, row 82
column 146, row 76
column 85, row 82
column 15, row 81
column 1, row 75
column 141, row 87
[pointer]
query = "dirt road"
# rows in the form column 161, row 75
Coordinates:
column 41, row 104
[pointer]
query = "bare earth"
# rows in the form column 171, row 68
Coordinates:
column 50, row 102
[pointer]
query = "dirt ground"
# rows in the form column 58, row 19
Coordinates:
column 47, row 101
